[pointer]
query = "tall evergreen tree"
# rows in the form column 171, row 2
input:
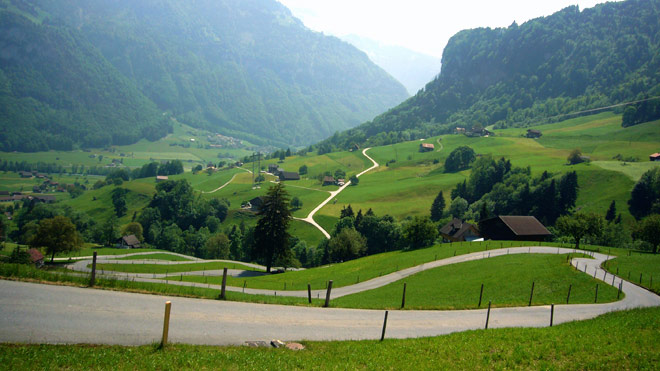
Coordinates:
column 611, row 212
column 271, row 236
column 438, row 207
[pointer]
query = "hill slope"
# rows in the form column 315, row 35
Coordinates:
column 243, row 68
column 567, row 62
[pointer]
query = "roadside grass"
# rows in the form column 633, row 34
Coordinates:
column 640, row 268
column 507, row 282
column 171, row 268
column 618, row 341
column 156, row 256
column 306, row 232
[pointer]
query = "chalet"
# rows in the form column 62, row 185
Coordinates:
column 161, row 178
column 533, row 133
column 288, row 175
column 256, row 203
column 456, row 231
column 426, row 147
column 272, row 168
column 25, row 174
column 36, row 257
column 514, row 228
column 654, row 157
column 128, row 242
column 328, row 180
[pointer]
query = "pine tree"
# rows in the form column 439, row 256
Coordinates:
column 438, row 207
column 271, row 236
column 611, row 212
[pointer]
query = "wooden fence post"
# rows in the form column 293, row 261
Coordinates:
column 481, row 294
column 166, row 323
column 552, row 313
column 382, row 335
column 403, row 299
column 327, row 294
column 488, row 315
column 223, row 295
column 568, row 297
column 309, row 293
column 92, row 280
column 531, row 295
column 596, row 298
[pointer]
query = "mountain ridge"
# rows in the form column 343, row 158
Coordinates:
column 248, row 69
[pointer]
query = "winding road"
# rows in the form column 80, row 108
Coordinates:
column 37, row 313
column 310, row 218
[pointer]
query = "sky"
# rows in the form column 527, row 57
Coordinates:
column 421, row 25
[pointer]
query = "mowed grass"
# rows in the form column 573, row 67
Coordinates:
column 89, row 249
column 156, row 256
column 354, row 271
column 171, row 268
column 642, row 269
column 507, row 282
column 624, row 340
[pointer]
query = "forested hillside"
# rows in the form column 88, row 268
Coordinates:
column 521, row 75
column 99, row 72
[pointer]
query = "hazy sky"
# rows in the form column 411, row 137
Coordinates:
column 421, row 25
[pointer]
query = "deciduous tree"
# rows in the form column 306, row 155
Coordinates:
column 57, row 235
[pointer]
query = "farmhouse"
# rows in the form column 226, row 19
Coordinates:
column 25, row 174
column 456, row 231
column 128, row 242
column 328, row 180
column 514, row 228
column 288, row 175
column 36, row 257
column 426, row 147
column 272, row 168
column 161, row 178
column 654, row 157
column 256, row 203
column 533, row 133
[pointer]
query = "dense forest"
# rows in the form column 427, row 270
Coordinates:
column 532, row 73
column 92, row 73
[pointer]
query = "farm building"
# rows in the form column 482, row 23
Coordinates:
column 288, row 175
column 328, row 180
column 25, row 174
column 128, row 242
column 456, row 231
column 426, row 147
column 272, row 168
column 654, row 157
column 36, row 257
column 533, row 133
column 161, row 178
column 255, row 203
column 514, row 228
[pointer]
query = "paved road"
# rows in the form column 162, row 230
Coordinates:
column 57, row 314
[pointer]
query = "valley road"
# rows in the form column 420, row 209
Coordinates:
column 35, row 313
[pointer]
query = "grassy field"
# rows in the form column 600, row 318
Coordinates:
column 156, row 256
column 174, row 268
column 642, row 269
column 88, row 250
column 507, row 282
column 617, row 341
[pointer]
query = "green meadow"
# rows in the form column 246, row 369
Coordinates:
column 507, row 282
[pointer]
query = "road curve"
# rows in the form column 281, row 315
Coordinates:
column 310, row 218
column 35, row 313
